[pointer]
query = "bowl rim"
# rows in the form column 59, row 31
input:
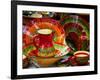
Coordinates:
column 81, row 52
column 47, row 57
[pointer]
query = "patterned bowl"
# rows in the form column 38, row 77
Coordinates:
column 60, row 52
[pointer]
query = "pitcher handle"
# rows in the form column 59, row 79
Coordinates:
column 36, row 40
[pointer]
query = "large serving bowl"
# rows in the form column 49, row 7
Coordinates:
column 46, row 61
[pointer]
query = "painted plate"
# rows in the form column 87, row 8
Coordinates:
column 29, row 31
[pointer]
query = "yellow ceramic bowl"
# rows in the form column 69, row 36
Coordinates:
column 48, row 59
column 45, row 61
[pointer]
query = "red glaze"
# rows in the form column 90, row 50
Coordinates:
column 43, row 41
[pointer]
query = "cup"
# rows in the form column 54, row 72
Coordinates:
column 81, row 57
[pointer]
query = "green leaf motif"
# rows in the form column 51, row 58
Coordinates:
column 80, row 22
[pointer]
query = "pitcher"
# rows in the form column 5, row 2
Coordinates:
column 44, row 40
